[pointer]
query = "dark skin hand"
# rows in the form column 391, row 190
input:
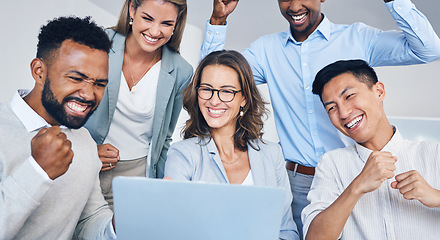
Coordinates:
column 52, row 151
column 221, row 11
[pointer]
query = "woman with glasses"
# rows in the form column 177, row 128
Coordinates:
column 223, row 137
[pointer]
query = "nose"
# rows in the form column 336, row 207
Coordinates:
column 344, row 111
column 154, row 30
column 295, row 5
column 87, row 91
column 215, row 100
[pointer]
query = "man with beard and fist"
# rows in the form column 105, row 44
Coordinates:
column 49, row 164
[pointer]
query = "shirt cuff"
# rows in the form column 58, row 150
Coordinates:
column 38, row 168
column 215, row 32
column 35, row 183
column 400, row 8
column 109, row 232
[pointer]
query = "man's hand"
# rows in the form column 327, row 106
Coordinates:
column 413, row 186
column 221, row 11
column 109, row 156
column 52, row 151
column 379, row 167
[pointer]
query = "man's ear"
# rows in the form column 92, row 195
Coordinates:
column 38, row 71
column 380, row 90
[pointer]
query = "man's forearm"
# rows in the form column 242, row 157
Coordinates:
column 329, row 223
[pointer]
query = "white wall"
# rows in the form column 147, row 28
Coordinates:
column 411, row 91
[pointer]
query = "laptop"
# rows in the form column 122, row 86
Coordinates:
column 164, row 209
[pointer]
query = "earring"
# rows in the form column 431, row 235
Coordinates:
column 131, row 21
column 241, row 112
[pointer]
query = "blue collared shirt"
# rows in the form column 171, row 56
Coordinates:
column 289, row 67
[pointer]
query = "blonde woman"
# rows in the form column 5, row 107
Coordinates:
column 137, row 116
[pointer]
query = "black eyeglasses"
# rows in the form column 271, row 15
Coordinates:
column 225, row 95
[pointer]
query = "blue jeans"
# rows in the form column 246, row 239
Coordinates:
column 300, row 186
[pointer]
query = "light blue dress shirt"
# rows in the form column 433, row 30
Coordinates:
column 289, row 68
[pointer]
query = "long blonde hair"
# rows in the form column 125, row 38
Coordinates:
column 123, row 26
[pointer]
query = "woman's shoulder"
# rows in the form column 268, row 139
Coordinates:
column 265, row 145
column 178, row 61
column 187, row 145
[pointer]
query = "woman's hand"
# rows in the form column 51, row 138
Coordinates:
column 109, row 156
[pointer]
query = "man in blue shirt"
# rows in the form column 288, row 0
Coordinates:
column 288, row 62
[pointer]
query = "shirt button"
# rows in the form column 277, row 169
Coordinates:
column 308, row 87
column 391, row 10
column 310, row 111
column 416, row 29
column 399, row 8
column 216, row 33
column 209, row 32
column 305, row 64
column 314, row 133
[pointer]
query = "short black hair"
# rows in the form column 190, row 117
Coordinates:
column 359, row 68
column 80, row 30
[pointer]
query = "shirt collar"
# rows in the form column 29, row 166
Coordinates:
column 324, row 28
column 392, row 146
column 30, row 119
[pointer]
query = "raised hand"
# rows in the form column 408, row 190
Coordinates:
column 221, row 11
column 379, row 167
column 52, row 151
column 109, row 156
column 413, row 186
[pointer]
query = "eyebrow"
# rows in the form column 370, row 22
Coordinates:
column 340, row 95
column 224, row 86
column 87, row 77
column 166, row 21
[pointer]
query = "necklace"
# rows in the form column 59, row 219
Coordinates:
column 236, row 160
column 133, row 88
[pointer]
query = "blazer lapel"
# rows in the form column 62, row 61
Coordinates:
column 116, row 58
column 165, row 86
column 257, row 166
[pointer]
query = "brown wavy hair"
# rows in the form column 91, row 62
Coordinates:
column 123, row 27
column 250, row 126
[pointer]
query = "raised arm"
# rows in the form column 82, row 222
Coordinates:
column 221, row 11
column 417, row 43
column 329, row 223
column 215, row 32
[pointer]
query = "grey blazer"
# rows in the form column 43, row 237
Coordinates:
column 196, row 159
column 175, row 74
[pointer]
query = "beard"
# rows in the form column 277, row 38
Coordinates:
column 58, row 112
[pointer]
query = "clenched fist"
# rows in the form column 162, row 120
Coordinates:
column 52, row 151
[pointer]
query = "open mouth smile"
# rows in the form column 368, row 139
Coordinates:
column 354, row 123
column 299, row 19
column 150, row 39
column 77, row 108
column 216, row 111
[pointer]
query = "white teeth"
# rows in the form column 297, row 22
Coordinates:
column 151, row 39
column 76, row 107
column 220, row 111
column 354, row 122
column 298, row 17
